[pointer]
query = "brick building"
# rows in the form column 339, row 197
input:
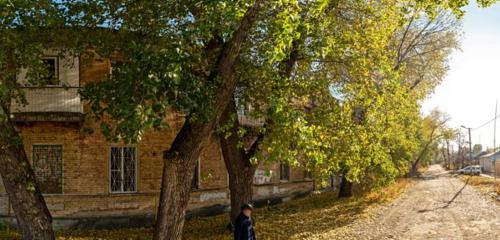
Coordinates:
column 88, row 182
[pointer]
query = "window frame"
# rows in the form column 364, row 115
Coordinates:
column 288, row 174
column 307, row 175
column 136, row 158
column 56, row 73
column 197, row 176
column 62, row 164
column 113, row 62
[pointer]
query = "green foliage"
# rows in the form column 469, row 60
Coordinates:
column 349, row 105
column 477, row 148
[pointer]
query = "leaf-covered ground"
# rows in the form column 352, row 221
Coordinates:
column 319, row 216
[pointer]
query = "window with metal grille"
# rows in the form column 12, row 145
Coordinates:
column 123, row 166
column 284, row 172
column 47, row 165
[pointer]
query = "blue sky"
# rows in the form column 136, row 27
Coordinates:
column 472, row 86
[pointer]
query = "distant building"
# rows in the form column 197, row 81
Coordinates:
column 487, row 161
column 476, row 157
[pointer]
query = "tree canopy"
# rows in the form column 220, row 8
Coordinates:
column 338, row 83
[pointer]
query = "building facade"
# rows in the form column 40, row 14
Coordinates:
column 490, row 161
column 89, row 182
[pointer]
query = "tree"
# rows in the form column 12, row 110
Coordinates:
column 195, row 74
column 182, row 56
column 433, row 130
column 22, row 43
column 423, row 47
column 477, row 148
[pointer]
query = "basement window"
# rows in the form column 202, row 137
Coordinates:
column 284, row 172
column 123, row 169
column 47, row 165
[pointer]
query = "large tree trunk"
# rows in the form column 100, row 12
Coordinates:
column 33, row 218
column 414, row 169
column 178, row 171
column 237, row 161
column 241, row 187
column 346, row 188
column 180, row 159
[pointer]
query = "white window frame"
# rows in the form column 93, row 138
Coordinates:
column 135, row 165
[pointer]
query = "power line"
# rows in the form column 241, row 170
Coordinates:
column 486, row 123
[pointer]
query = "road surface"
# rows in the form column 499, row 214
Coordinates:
column 439, row 206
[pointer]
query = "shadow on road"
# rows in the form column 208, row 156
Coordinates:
column 431, row 175
column 448, row 202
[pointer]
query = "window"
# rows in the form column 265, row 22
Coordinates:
column 242, row 108
column 307, row 175
column 334, row 182
column 123, row 169
column 114, row 66
column 51, row 65
column 47, row 165
column 195, row 183
column 284, row 172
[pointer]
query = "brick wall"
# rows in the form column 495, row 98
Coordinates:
column 86, row 167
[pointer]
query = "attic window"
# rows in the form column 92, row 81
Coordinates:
column 51, row 77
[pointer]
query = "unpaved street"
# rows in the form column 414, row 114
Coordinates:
column 439, row 206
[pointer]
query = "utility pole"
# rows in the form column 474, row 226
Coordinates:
column 452, row 156
column 470, row 144
column 470, row 148
column 495, row 139
column 495, row 127
column 459, row 152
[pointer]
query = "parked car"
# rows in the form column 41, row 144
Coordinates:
column 471, row 170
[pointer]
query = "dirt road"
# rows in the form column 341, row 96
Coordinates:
column 439, row 206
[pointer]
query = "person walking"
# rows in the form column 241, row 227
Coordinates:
column 243, row 227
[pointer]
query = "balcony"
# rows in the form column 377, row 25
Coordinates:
column 248, row 121
column 60, row 104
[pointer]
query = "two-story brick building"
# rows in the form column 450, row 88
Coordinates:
column 87, row 181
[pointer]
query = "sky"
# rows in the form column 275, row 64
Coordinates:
column 472, row 85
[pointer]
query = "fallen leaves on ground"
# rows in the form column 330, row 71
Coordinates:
column 319, row 216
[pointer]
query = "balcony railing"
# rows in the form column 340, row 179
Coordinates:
column 250, row 121
column 56, row 102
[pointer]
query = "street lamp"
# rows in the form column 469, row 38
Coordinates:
column 470, row 144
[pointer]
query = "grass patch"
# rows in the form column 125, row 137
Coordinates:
column 483, row 184
column 319, row 216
